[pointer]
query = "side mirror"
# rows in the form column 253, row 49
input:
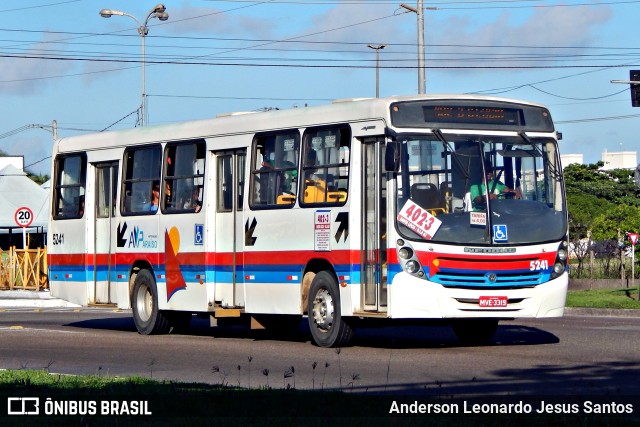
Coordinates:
column 392, row 157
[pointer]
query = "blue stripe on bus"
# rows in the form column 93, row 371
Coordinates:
column 248, row 274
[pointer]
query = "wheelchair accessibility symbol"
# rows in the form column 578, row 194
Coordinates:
column 198, row 235
column 500, row 233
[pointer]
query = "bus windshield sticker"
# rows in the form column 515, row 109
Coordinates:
column 419, row 220
column 500, row 233
column 478, row 218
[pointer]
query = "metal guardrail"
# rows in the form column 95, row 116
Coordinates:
column 24, row 269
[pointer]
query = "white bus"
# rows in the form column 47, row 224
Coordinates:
column 420, row 207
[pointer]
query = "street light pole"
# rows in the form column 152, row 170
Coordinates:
column 419, row 11
column 377, row 49
column 157, row 12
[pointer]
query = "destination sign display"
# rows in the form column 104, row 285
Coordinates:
column 470, row 114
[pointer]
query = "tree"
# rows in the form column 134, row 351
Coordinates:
column 603, row 202
column 621, row 217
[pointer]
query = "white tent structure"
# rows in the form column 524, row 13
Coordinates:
column 17, row 191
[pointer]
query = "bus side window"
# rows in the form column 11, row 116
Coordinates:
column 141, row 173
column 69, row 186
column 184, row 176
column 325, row 170
column 274, row 177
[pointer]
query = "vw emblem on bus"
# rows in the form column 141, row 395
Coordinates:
column 492, row 277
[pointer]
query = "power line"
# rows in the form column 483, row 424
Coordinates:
column 39, row 6
column 597, row 119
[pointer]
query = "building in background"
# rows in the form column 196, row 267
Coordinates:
column 611, row 160
column 568, row 159
column 16, row 161
column 619, row 160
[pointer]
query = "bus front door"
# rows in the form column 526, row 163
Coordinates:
column 229, row 238
column 104, row 239
column 374, row 244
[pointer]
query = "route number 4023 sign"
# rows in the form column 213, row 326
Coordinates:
column 419, row 220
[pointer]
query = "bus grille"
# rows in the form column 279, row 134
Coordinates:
column 482, row 280
column 487, row 274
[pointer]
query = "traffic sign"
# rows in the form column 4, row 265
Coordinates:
column 633, row 237
column 23, row 216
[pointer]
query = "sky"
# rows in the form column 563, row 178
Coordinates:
column 61, row 61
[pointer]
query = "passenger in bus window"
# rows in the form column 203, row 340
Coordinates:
column 167, row 195
column 155, row 198
column 194, row 202
column 81, row 207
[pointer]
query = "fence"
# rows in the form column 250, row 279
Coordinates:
column 23, row 269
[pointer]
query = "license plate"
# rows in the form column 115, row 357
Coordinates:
column 493, row 301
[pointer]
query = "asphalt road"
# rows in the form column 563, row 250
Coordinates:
column 574, row 355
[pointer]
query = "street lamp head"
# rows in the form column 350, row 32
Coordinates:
column 409, row 8
column 107, row 13
column 162, row 16
column 160, row 8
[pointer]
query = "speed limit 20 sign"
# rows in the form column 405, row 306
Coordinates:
column 24, row 216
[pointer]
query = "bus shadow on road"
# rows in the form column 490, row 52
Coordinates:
column 406, row 335
column 442, row 336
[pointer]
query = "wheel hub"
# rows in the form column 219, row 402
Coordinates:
column 323, row 310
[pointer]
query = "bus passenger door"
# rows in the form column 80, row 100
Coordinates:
column 229, row 234
column 374, row 233
column 104, row 239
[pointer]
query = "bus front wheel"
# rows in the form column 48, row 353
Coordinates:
column 328, row 327
column 146, row 315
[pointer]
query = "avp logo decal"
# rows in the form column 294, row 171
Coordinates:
column 135, row 239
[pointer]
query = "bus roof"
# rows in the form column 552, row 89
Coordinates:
column 339, row 111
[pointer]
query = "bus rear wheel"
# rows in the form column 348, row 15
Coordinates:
column 147, row 317
column 328, row 327
column 475, row 331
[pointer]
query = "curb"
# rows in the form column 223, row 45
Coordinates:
column 25, row 298
column 604, row 312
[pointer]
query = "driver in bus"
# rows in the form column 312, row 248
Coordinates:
column 497, row 189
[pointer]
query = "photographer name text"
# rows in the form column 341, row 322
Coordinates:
column 586, row 407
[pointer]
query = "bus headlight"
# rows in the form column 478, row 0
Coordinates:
column 405, row 253
column 558, row 269
column 408, row 259
column 560, row 265
column 412, row 267
column 562, row 255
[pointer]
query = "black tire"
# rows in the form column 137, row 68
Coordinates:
column 149, row 320
column 475, row 331
column 328, row 327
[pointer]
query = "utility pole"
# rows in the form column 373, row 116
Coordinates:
column 419, row 11
column 634, row 82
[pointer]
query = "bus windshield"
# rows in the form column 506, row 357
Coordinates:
column 479, row 189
